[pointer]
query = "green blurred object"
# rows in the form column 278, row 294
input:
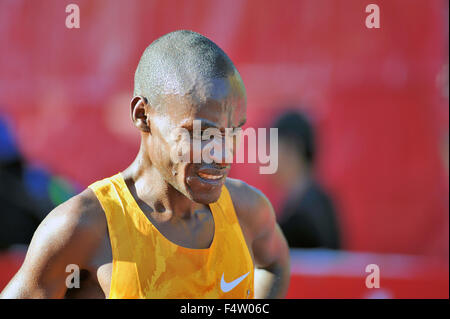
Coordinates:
column 59, row 190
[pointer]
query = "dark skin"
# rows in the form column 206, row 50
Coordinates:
column 173, row 197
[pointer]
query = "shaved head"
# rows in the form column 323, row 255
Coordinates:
column 180, row 63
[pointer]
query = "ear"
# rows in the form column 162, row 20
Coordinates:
column 139, row 107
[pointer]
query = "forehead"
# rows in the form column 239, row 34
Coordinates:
column 220, row 100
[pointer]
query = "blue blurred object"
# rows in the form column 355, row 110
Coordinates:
column 44, row 186
column 36, row 181
column 8, row 147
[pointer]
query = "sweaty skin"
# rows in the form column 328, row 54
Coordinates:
column 173, row 196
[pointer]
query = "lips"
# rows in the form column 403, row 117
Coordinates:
column 212, row 174
column 209, row 176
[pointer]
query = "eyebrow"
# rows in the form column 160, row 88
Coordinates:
column 242, row 123
column 205, row 123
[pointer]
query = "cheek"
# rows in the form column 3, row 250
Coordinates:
column 181, row 151
column 159, row 153
column 162, row 154
column 285, row 158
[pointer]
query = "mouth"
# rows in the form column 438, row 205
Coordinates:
column 210, row 177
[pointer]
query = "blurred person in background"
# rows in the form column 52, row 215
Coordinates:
column 27, row 193
column 308, row 218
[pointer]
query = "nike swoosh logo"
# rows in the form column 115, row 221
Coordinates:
column 227, row 286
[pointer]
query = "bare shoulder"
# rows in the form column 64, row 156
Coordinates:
column 69, row 234
column 80, row 214
column 253, row 208
column 245, row 196
column 256, row 214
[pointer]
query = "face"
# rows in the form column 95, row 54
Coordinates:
column 292, row 163
column 217, row 103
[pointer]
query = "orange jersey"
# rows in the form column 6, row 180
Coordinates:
column 148, row 265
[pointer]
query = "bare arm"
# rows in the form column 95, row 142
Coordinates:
column 270, row 249
column 68, row 235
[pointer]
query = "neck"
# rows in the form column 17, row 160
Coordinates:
column 152, row 190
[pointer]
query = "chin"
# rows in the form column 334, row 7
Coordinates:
column 203, row 191
column 206, row 197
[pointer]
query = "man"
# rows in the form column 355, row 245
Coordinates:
column 172, row 229
column 308, row 218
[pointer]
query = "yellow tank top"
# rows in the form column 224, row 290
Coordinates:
column 148, row 265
